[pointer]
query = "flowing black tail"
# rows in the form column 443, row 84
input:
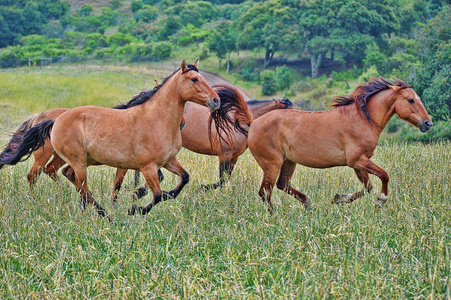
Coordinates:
column 33, row 140
column 17, row 138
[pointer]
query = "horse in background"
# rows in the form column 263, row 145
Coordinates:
column 143, row 137
column 346, row 135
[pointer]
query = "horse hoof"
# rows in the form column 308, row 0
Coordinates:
column 166, row 196
column 342, row 198
column 308, row 204
column 132, row 211
column 206, row 187
column 381, row 199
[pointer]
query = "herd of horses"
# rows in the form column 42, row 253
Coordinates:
column 146, row 133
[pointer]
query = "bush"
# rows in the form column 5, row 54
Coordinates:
column 162, row 50
column 283, row 78
column 185, row 40
column 120, row 39
column 370, row 72
column 268, row 81
column 146, row 14
column 136, row 5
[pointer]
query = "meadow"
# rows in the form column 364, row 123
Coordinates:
column 222, row 243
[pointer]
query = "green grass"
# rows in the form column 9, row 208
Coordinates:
column 223, row 243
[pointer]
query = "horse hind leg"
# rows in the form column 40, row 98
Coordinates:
column 348, row 198
column 284, row 183
column 53, row 166
column 41, row 157
column 225, row 170
column 77, row 175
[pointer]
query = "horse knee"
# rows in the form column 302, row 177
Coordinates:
column 282, row 184
column 185, row 177
column 69, row 173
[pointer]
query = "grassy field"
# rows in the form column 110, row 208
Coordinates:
column 218, row 244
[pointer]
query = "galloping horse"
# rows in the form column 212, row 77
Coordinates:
column 343, row 136
column 196, row 133
column 143, row 137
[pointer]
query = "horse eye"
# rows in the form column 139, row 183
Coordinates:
column 194, row 80
column 411, row 101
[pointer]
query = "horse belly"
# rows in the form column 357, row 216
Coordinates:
column 315, row 152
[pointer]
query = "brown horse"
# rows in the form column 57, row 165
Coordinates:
column 343, row 136
column 43, row 155
column 196, row 137
column 144, row 137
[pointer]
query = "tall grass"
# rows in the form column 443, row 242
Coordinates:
column 224, row 244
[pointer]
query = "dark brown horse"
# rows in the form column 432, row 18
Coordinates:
column 144, row 137
column 196, row 133
column 343, row 136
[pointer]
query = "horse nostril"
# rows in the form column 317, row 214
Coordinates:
column 428, row 124
column 216, row 101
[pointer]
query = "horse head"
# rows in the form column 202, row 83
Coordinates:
column 193, row 87
column 409, row 107
column 283, row 103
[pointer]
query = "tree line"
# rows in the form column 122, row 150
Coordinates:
column 405, row 38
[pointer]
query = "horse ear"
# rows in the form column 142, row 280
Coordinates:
column 156, row 82
column 395, row 88
column 184, row 66
column 196, row 63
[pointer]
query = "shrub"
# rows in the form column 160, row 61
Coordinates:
column 370, row 72
column 162, row 50
column 268, row 81
column 185, row 40
column 120, row 39
column 136, row 5
column 283, row 78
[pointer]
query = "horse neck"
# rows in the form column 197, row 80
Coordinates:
column 381, row 107
column 260, row 108
column 167, row 102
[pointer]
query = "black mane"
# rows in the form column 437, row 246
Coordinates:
column 146, row 95
column 363, row 92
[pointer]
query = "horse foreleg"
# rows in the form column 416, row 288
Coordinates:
column 151, row 176
column 175, row 167
column 142, row 191
column 365, row 165
column 284, row 183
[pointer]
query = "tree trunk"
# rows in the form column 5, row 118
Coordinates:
column 316, row 59
column 268, row 57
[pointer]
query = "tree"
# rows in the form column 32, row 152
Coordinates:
column 433, row 81
column 348, row 26
column 217, row 44
column 264, row 25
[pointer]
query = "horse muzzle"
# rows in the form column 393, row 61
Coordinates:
column 425, row 126
column 214, row 104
